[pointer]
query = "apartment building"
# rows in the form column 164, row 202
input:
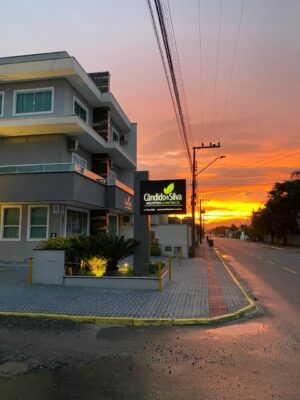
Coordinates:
column 67, row 153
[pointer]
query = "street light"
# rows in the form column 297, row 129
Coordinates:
column 194, row 193
column 203, row 169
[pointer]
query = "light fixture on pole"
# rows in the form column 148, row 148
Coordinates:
column 194, row 177
column 203, row 169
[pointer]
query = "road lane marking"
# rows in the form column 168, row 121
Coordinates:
column 272, row 247
column 271, row 262
column 290, row 270
column 259, row 258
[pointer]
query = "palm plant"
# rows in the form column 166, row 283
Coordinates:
column 112, row 249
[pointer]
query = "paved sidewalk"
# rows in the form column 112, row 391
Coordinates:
column 200, row 288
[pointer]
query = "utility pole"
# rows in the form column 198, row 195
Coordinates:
column 194, row 177
column 200, row 220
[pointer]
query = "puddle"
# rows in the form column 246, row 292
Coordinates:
column 249, row 328
column 13, row 368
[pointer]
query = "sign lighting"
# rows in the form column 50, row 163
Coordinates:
column 163, row 197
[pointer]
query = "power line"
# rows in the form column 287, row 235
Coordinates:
column 244, row 168
column 233, row 61
column 216, row 72
column 173, row 73
column 164, row 64
column 178, row 68
column 200, row 71
column 173, row 77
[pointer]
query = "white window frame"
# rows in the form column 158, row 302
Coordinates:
column 80, row 210
column 32, row 90
column 2, row 104
column 2, row 223
column 75, row 155
column 30, row 207
column 75, row 99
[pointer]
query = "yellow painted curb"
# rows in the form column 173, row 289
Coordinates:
column 137, row 321
column 234, row 278
column 249, row 309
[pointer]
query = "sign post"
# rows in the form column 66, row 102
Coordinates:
column 141, row 229
column 152, row 198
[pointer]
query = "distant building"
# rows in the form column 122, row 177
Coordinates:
column 173, row 239
column 67, row 151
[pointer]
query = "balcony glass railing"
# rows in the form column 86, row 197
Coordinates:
column 58, row 167
column 62, row 167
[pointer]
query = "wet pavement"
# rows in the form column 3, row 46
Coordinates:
column 200, row 288
column 258, row 359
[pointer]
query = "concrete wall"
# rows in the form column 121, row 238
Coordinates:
column 34, row 150
column 48, row 267
column 63, row 97
column 172, row 235
column 52, row 186
column 114, row 282
column 118, row 199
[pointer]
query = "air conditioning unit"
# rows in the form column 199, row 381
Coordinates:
column 72, row 144
column 124, row 138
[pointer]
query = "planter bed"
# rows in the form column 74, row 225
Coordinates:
column 117, row 282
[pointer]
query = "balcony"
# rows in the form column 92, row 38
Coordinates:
column 61, row 65
column 71, row 126
column 67, row 183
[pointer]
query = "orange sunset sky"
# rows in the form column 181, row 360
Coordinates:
column 258, row 126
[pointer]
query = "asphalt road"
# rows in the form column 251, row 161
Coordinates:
column 278, row 267
column 257, row 359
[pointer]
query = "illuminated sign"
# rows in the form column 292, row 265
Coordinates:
column 163, row 197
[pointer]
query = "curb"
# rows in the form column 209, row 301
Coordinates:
column 236, row 281
column 247, row 311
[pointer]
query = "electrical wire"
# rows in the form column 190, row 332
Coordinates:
column 200, row 72
column 233, row 63
column 173, row 77
column 178, row 67
column 164, row 64
column 212, row 122
column 173, row 72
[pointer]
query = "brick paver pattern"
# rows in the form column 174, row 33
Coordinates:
column 186, row 296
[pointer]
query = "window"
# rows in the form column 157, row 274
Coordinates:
column 76, row 159
column 38, row 222
column 116, row 136
column 80, row 110
column 1, row 104
column 77, row 223
column 11, row 223
column 33, row 101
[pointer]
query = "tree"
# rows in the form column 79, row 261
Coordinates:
column 281, row 212
column 295, row 174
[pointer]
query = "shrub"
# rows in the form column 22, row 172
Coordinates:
column 153, row 267
column 91, row 254
column 78, row 249
column 155, row 250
